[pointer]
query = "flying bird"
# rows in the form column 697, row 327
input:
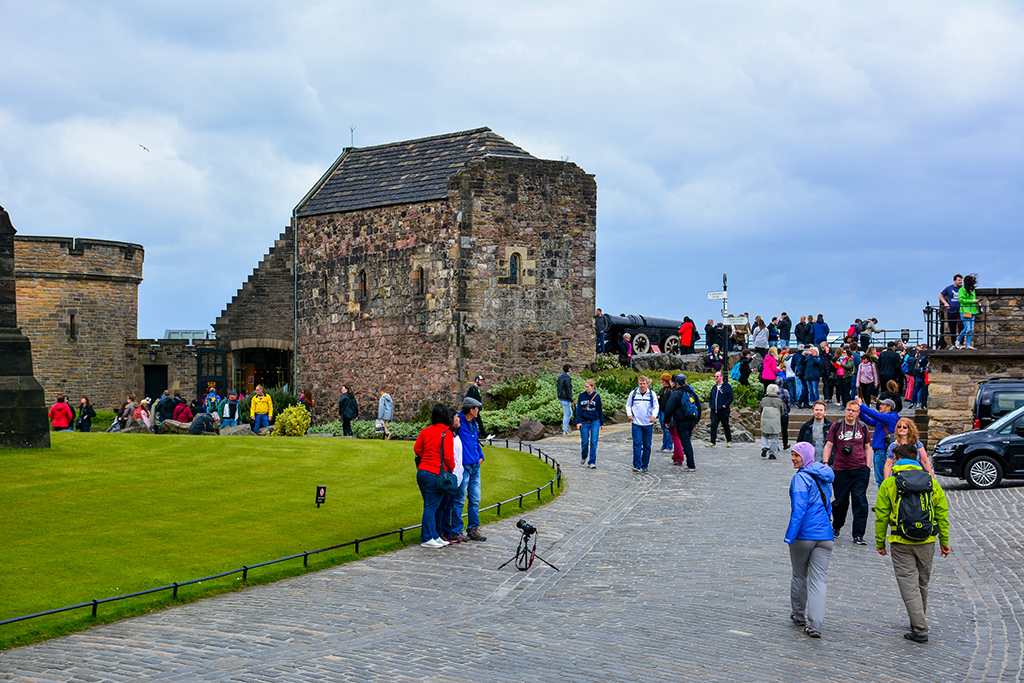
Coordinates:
column 144, row 147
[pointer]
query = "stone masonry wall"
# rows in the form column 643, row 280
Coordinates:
column 78, row 304
column 1001, row 325
column 395, row 336
column 955, row 376
column 262, row 308
column 176, row 354
column 545, row 212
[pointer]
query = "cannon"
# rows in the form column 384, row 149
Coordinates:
column 645, row 332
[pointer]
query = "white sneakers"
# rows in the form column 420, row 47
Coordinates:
column 434, row 543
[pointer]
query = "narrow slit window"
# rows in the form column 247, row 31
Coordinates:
column 513, row 269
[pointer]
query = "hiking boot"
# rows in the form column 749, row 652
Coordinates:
column 764, row 452
column 475, row 535
column 772, row 457
column 859, row 540
column 917, row 638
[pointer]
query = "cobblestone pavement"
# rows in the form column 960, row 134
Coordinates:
column 672, row 575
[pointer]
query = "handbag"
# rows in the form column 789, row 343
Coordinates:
column 446, row 480
column 378, row 426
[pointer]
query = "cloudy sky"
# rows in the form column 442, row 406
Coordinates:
column 831, row 157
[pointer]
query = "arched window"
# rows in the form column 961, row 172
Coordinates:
column 513, row 269
column 419, row 284
column 361, row 285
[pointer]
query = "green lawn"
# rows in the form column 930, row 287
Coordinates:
column 99, row 515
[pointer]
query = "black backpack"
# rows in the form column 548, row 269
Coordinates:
column 915, row 515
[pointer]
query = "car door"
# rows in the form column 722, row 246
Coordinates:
column 1015, row 446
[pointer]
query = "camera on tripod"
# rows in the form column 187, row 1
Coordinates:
column 525, row 527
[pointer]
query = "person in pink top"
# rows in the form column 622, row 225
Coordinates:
column 770, row 368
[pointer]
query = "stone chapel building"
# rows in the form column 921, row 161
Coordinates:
column 420, row 264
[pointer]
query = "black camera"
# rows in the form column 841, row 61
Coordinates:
column 527, row 528
column 847, row 450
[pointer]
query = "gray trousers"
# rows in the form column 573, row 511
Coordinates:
column 913, row 567
column 807, row 587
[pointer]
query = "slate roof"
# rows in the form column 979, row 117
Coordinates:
column 403, row 172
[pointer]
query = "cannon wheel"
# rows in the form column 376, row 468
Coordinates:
column 672, row 345
column 641, row 344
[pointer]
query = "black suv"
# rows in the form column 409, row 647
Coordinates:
column 996, row 398
column 984, row 456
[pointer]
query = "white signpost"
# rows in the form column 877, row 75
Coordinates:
column 734, row 319
column 717, row 295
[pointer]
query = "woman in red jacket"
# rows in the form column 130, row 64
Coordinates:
column 61, row 416
column 687, row 336
column 434, row 443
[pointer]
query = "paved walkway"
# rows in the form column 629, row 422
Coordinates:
column 666, row 576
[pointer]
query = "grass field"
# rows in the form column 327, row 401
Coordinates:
column 100, row 515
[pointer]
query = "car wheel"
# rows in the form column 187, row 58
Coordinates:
column 983, row 472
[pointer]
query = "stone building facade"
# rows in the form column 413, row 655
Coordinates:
column 1001, row 325
column 78, row 304
column 423, row 263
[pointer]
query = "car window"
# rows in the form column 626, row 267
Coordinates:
column 1005, row 420
column 1006, row 401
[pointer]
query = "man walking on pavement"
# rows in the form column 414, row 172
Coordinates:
column 565, row 397
column 719, row 402
column 684, row 410
column 642, row 408
column 848, row 451
column 815, row 430
column 911, row 558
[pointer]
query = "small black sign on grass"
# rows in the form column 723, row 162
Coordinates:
column 321, row 495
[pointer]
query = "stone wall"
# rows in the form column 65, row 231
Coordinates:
column 176, row 354
column 78, row 304
column 955, row 376
column 1001, row 325
column 439, row 305
column 262, row 308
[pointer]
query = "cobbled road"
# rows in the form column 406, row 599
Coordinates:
column 668, row 576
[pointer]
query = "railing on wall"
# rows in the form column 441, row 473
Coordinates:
column 244, row 570
column 986, row 328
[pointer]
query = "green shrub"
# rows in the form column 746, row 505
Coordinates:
column 512, row 388
column 293, row 421
column 103, row 419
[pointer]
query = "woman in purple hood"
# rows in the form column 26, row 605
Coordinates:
column 810, row 538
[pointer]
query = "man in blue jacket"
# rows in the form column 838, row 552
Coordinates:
column 884, row 421
column 720, row 401
column 564, row 390
column 472, row 456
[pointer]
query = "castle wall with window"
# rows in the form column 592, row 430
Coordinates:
column 78, row 304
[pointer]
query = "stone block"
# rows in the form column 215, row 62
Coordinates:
column 237, row 430
column 530, row 430
column 173, row 427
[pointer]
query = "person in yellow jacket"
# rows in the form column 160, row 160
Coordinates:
column 261, row 409
column 911, row 559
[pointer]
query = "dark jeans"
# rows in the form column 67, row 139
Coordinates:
column 600, row 342
column 842, row 390
column 785, row 430
column 346, row 426
column 682, row 445
column 722, row 416
column 851, row 485
column 954, row 325
column 865, row 341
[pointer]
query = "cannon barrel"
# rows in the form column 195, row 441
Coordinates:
column 638, row 321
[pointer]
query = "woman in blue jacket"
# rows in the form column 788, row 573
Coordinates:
column 810, row 538
column 589, row 420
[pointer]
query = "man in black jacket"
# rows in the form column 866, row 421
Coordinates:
column 473, row 392
column 890, row 366
column 814, row 430
column 719, row 403
column 785, row 329
column 564, row 387
column 682, row 427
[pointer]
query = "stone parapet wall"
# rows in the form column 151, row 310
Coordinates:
column 78, row 303
column 955, row 376
column 1001, row 324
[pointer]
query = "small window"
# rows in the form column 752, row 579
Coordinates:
column 72, row 327
column 513, row 269
column 361, row 285
column 419, row 284
column 1006, row 402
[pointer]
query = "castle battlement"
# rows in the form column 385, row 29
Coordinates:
column 78, row 258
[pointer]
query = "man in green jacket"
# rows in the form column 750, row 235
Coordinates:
column 911, row 559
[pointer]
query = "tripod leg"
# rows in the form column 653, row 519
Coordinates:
column 548, row 563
